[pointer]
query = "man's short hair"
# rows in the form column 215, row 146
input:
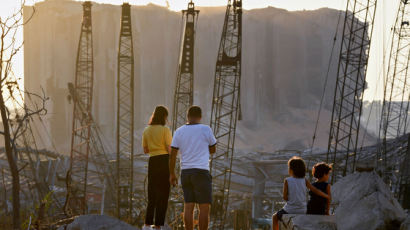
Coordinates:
column 195, row 112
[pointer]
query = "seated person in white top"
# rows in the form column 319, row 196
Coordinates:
column 295, row 191
column 196, row 142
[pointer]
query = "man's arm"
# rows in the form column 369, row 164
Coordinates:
column 173, row 180
column 315, row 190
column 212, row 149
column 211, row 140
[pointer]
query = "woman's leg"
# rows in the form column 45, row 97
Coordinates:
column 149, row 215
column 163, row 191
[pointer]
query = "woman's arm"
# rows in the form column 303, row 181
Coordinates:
column 168, row 140
column 328, row 190
column 144, row 143
column 285, row 190
column 315, row 190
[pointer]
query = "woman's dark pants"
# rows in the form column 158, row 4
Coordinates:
column 158, row 190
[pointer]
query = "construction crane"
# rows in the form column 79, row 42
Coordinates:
column 350, row 84
column 81, row 126
column 86, row 144
column 184, row 88
column 184, row 94
column 396, row 100
column 403, row 194
column 98, row 168
column 125, row 118
column 225, row 107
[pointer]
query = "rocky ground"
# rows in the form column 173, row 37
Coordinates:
column 361, row 201
column 97, row 222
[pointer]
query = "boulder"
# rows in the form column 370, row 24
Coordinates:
column 307, row 222
column 364, row 202
column 97, row 222
column 406, row 224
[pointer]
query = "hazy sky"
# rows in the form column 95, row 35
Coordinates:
column 385, row 15
column 180, row 4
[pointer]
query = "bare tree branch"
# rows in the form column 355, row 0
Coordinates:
column 14, row 128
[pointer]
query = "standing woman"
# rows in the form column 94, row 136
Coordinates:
column 156, row 141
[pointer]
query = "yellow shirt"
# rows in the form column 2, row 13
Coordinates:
column 156, row 138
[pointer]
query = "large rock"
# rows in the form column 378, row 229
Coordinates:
column 406, row 224
column 308, row 222
column 97, row 222
column 364, row 202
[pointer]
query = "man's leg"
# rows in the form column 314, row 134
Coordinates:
column 203, row 194
column 189, row 216
column 204, row 216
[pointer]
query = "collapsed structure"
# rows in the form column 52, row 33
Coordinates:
column 91, row 186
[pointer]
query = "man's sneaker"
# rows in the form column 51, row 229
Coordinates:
column 145, row 227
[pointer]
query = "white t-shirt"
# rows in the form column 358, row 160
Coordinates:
column 193, row 142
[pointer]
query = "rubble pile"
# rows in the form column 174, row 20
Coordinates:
column 406, row 224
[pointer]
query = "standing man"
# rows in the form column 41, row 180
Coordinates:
column 196, row 142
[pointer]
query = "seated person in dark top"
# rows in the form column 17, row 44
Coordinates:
column 318, row 205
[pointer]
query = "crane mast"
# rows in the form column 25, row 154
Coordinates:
column 184, row 94
column 81, row 126
column 350, row 85
column 396, row 102
column 184, row 88
column 86, row 144
column 225, row 107
column 125, row 118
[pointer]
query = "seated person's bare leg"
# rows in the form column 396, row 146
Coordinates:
column 275, row 222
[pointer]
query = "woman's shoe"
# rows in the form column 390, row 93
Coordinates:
column 146, row 227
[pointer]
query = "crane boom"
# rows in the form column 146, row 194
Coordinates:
column 125, row 118
column 393, row 123
column 184, row 88
column 225, row 107
column 350, row 84
column 81, row 126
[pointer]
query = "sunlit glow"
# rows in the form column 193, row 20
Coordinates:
column 383, row 22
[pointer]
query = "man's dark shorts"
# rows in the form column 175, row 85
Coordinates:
column 197, row 186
